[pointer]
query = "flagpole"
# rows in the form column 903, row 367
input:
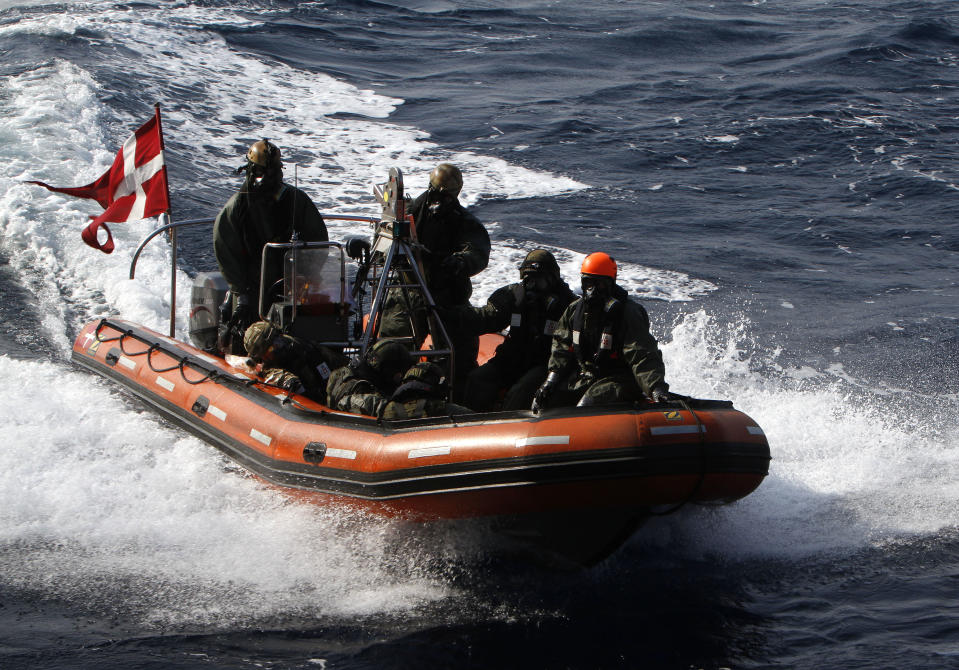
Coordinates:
column 169, row 214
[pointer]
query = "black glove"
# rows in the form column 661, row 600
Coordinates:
column 454, row 266
column 544, row 392
column 244, row 313
column 659, row 393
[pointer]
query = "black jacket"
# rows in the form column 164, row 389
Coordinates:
column 248, row 222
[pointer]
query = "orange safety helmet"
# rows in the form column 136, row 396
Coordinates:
column 599, row 264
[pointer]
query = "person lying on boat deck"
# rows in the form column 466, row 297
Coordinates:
column 291, row 362
column 264, row 210
column 457, row 247
column 530, row 309
column 386, row 378
column 602, row 348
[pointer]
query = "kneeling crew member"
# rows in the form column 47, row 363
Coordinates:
column 602, row 349
column 530, row 308
column 366, row 385
column 386, row 384
column 422, row 392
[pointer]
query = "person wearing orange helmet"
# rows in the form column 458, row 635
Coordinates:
column 602, row 349
column 264, row 210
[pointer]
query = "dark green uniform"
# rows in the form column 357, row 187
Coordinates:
column 365, row 386
column 519, row 364
column 422, row 393
column 607, row 351
column 457, row 247
column 249, row 221
column 349, row 391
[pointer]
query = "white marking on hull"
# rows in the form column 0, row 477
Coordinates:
column 341, row 453
column 128, row 363
column 429, row 451
column 217, row 412
column 260, row 437
column 544, row 439
column 165, row 383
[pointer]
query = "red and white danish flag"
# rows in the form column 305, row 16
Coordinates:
column 135, row 187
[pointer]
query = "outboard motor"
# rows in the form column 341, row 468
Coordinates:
column 209, row 292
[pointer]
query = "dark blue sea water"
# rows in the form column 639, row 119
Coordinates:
column 778, row 181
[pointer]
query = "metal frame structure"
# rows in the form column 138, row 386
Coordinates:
column 392, row 265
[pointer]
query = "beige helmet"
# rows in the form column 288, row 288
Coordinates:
column 265, row 154
column 258, row 338
column 446, row 178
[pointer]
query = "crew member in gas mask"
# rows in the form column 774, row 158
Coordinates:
column 530, row 309
column 455, row 247
column 602, row 349
column 264, row 210
column 366, row 385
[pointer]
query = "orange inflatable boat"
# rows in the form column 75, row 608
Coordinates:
column 608, row 467
column 575, row 480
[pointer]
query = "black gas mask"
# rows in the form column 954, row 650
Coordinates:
column 596, row 289
column 438, row 199
column 263, row 168
column 535, row 280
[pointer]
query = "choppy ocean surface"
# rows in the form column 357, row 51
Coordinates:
column 779, row 183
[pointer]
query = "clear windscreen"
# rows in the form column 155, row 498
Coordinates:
column 313, row 279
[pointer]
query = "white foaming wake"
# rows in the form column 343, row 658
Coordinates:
column 850, row 467
column 101, row 502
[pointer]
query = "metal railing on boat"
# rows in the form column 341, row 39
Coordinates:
column 172, row 229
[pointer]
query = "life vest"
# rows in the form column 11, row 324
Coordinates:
column 606, row 353
column 533, row 321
